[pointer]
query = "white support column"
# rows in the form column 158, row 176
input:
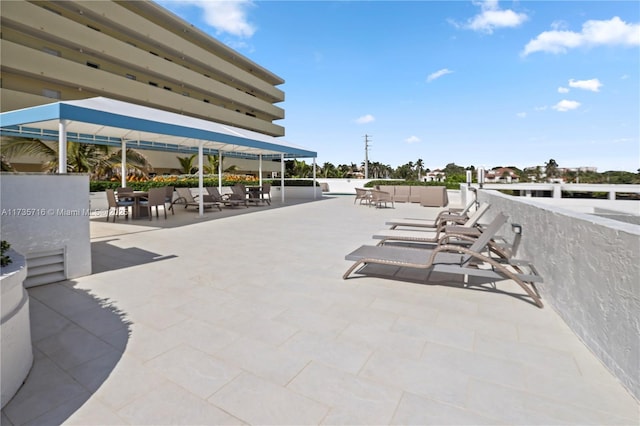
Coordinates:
column 220, row 172
column 282, row 178
column 314, row 178
column 260, row 170
column 123, row 165
column 62, row 147
column 200, row 180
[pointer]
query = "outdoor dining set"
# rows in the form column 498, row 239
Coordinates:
column 142, row 203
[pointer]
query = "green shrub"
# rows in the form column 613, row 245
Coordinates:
column 4, row 259
column 449, row 185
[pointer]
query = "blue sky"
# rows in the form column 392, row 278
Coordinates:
column 481, row 83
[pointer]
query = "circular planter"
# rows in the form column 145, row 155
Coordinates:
column 15, row 333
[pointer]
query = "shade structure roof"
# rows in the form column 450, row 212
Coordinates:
column 110, row 122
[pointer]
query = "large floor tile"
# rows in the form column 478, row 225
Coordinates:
column 270, row 403
column 199, row 373
column 169, row 404
column 353, row 400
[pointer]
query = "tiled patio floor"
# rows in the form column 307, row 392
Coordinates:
column 245, row 319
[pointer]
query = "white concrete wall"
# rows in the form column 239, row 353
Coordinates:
column 41, row 212
column 591, row 275
column 345, row 186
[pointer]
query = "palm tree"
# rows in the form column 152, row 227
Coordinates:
column 551, row 168
column 186, row 163
column 211, row 166
column 98, row 160
column 419, row 165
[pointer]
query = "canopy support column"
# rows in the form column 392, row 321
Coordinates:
column 314, row 178
column 282, row 178
column 200, row 180
column 220, row 172
column 62, row 146
column 260, row 170
column 123, row 165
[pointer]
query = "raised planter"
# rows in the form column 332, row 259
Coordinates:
column 15, row 333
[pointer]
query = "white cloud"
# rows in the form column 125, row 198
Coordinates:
column 226, row 16
column 563, row 90
column 438, row 74
column 412, row 139
column 521, row 115
column 593, row 85
column 492, row 17
column 565, row 105
column 594, row 33
column 368, row 118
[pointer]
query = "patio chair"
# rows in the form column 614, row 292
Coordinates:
column 116, row 204
column 213, row 194
column 157, row 197
column 265, row 193
column 381, row 197
column 364, row 195
column 169, row 197
column 185, row 197
column 252, row 195
column 122, row 191
column 450, row 216
column 453, row 259
column 469, row 229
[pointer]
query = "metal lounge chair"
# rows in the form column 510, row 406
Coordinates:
column 468, row 228
column 185, row 197
column 453, row 259
column 215, row 196
column 251, row 195
column 450, row 216
column 239, row 193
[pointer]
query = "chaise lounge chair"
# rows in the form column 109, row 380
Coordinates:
column 469, row 228
column 215, row 196
column 185, row 197
column 453, row 259
column 450, row 216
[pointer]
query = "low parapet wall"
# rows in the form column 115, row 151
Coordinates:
column 591, row 274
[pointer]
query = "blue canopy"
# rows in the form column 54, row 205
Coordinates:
column 111, row 122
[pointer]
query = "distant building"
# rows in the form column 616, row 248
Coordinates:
column 436, row 175
column 134, row 51
column 501, row 175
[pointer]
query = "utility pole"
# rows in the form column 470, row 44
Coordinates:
column 366, row 156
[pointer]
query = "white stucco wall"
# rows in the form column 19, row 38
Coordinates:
column 591, row 275
column 15, row 332
column 41, row 212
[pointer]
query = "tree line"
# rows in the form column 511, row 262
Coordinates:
column 453, row 173
column 103, row 162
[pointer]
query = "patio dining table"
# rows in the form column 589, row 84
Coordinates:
column 137, row 213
